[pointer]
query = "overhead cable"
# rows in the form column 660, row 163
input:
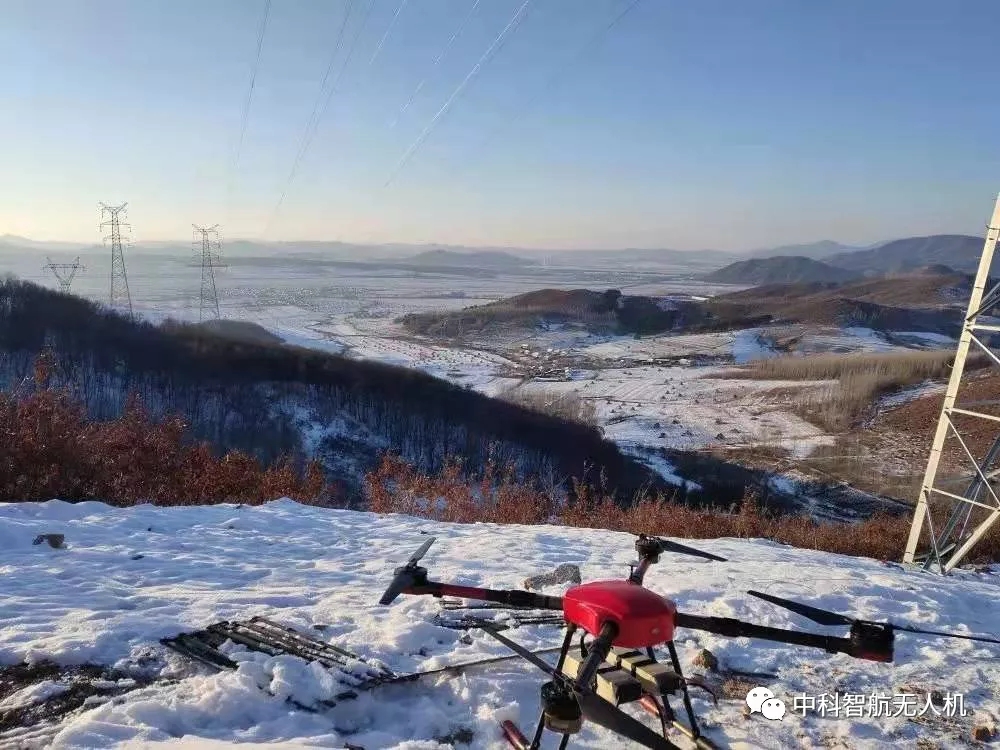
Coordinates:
column 434, row 64
column 444, row 108
column 320, row 106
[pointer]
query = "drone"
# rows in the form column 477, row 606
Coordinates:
column 621, row 623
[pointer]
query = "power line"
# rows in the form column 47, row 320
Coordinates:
column 245, row 116
column 318, row 113
column 434, row 64
column 444, row 108
column 253, row 79
column 560, row 69
column 378, row 48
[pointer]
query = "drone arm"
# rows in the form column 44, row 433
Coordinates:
column 512, row 597
column 864, row 643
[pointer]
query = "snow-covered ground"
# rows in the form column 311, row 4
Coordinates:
column 820, row 339
column 688, row 408
column 128, row 577
column 909, row 394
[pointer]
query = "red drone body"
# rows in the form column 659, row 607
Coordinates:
column 642, row 617
column 592, row 681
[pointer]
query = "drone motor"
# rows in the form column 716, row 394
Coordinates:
column 872, row 641
column 561, row 709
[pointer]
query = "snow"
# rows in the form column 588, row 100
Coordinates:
column 748, row 346
column 909, row 394
column 32, row 694
column 667, row 345
column 661, row 466
column 926, row 338
column 300, row 565
column 306, row 341
column 652, row 407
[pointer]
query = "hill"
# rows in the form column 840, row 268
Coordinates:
column 924, row 301
column 816, row 250
column 958, row 251
column 239, row 330
column 597, row 312
column 686, row 261
column 272, row 400
column 484, row 259
column 915, row 302
column 779, row 270
column 923, row 288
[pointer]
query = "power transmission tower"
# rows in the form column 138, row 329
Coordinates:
column 971, row 514
column 209, row 245
column 65, row 272
column 119, row 279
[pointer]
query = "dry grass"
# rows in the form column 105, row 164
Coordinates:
column 859, row 380
column 856, row 459
column 497, row 497
column 904, row 366
column 567, row 406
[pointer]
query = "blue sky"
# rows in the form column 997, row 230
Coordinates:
column 711, row 124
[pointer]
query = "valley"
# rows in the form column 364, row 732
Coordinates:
column 663, row 398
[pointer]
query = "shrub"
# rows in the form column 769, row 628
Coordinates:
column 50, row 449
column 396, row 487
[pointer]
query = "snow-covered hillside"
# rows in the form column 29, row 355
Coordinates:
column 128, row 577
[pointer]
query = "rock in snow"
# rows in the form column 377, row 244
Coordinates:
column 304, row 565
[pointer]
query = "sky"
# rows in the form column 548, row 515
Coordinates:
column 724, row 124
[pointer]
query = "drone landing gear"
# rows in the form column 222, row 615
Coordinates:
column 560, row 709
column 625, row 676
column 561, row 714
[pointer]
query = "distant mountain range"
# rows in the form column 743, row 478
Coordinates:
column 960, row 252
column 14, row 242
column 494, row 259
column 955, row 251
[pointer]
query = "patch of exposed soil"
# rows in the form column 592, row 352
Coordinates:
column 60, row 690
column 908, row 430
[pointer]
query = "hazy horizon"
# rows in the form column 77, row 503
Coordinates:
column 76, row 245
column 715, row 125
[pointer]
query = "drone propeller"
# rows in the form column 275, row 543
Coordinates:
column 825, row 617
column 592, row 707
column 665, row 545
column 406, row 576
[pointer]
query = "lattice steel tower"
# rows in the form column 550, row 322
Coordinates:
column 967, row 513
column 65, row 272
column 119, row 279
column 209, row 245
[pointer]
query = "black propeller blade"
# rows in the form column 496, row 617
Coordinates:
column 601, row 712
column 825, row 617
column 418, row 555
column 406, row 576
column 592, row 707
column 665, row 545
column 817, row 615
